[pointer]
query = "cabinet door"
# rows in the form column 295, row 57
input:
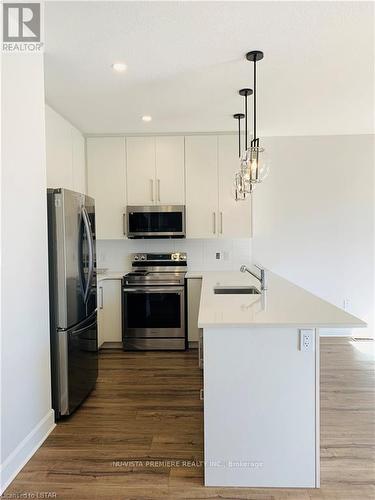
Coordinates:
column 106, row 183
column 58, row 151
column 194, row 287
column 234, row 219
column 79, row 166
column 109, row 311
column 201, row 186
column 140, row 167
column 170, row 176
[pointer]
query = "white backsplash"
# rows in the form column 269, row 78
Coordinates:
column 201, row 254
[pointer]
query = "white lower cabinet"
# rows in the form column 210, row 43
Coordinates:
column 195, row 334
column 194, row 287
column 109, row 311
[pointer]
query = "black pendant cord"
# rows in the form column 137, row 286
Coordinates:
column 255, row 101
column 245, row 93
column 239, row 138
column 239, row 117
column 255, row 141
column 245, row 121
column 254, row 56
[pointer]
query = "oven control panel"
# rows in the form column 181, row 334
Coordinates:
column 159, row 257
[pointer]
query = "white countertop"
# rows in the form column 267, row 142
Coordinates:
column 110, row 275
column 194, row 274
column 283, row 304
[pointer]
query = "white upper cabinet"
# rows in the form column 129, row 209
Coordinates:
column 140, row 167
column 65, row 154
column 78, row 161
column 211, row 208
column 170, row 178
column 196, row 171
column 201, row 186
column 106, row 183
column 155, row 170
column 234, row 216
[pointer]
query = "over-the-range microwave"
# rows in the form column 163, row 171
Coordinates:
column 163, row 221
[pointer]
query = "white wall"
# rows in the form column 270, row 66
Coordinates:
column 314, row 218
column 201, row 254
column 26, row 414
column 65, row 146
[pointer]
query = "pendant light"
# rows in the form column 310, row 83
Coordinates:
column 239, row 188
column 254, row 166
column 243, row 187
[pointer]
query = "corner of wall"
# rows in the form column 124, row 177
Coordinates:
column 25, row 450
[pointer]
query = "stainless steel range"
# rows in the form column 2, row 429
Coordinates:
column 153, row 302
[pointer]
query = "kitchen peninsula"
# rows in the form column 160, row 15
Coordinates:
column 261, row 380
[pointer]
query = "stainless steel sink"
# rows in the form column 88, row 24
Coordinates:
column 239, row 290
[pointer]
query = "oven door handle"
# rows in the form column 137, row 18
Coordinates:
column 167, row 289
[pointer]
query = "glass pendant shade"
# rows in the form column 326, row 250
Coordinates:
column 254, row 165
column 243, row 187
column 240, row 188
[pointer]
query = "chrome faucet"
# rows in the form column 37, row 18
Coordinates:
column 261, row 277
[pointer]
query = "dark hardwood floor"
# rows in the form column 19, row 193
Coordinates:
column 140, row 433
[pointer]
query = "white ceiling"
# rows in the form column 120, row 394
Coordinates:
column 186, row 63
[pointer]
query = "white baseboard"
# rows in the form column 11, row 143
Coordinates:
column 25, row 450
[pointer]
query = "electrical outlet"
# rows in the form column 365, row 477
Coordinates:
column 306, row 340
column 346, row 304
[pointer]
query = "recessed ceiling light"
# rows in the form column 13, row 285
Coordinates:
column 119, row 67
column 146, row 118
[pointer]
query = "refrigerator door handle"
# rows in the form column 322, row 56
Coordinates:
column 80, row 330
column 90, row 241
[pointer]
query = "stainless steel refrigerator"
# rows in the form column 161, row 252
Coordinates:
column 73, row 312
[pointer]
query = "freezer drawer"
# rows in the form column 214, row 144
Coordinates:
column 78, row 364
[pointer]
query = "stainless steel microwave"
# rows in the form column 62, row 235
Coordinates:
column 163, row 221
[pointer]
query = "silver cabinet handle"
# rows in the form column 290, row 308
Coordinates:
column 214, row 222
column 158, row 186
column 152, row 189
column 124, row 224
column 101, row 298
column 201, row 394
column 221, row 222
